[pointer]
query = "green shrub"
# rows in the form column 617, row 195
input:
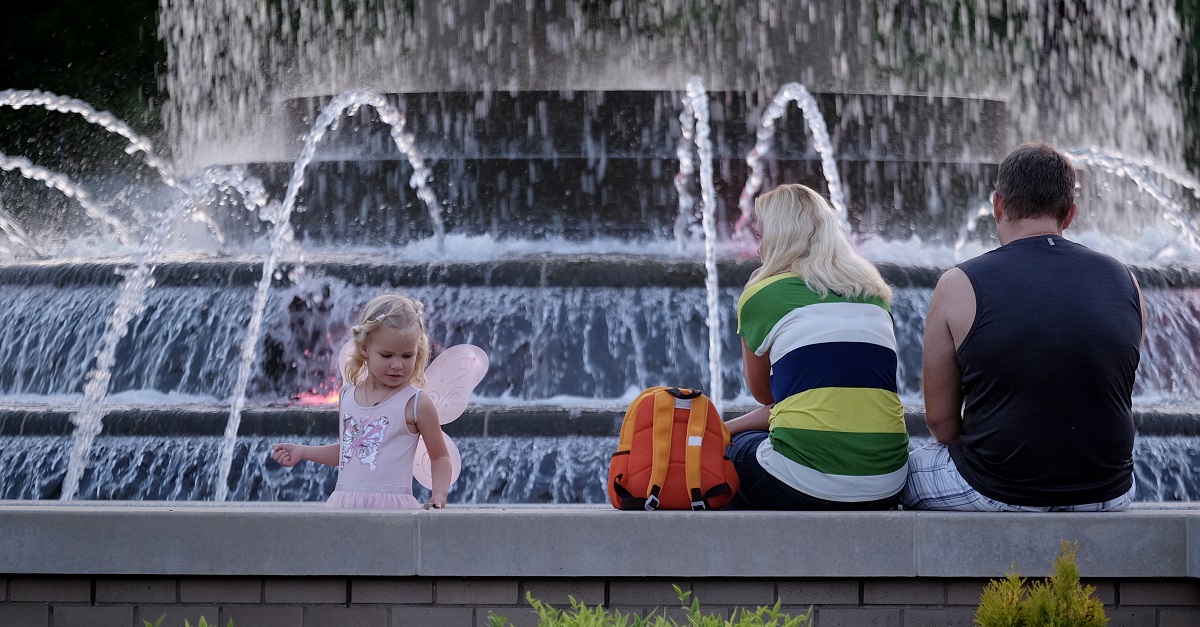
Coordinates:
column 1000, row 603
column 1058, row 601
column 581, row 615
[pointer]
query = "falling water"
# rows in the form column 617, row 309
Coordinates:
column 790, row 92
column 1115, row 161
column 16, row 99
column 1139, row 172
column 520, row 469
column 130, row 302
column 63, row 184
column 17, row 235
column 687, row 167
column 282, row 236
column 697, row 98
column 970, row 224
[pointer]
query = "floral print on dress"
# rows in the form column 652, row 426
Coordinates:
column 362, row 440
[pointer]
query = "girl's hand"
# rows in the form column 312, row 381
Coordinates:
column 287, row 454
column 437, row 502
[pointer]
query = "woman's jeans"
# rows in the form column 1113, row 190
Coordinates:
column 761, row 490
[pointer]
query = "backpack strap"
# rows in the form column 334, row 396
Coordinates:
column 625, row 442
column 697, row 419
column 664, row 422
column 697, row 426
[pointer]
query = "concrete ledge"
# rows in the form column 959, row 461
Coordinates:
column 204, row 539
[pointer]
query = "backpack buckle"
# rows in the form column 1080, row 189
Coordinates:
column 699, row 506
column 651, row 502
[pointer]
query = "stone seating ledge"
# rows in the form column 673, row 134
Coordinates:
column 1151, row 541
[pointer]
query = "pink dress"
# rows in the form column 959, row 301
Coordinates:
column 377, row 450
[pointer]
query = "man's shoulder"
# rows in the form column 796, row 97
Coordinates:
column 954, row 280
column 953, row 303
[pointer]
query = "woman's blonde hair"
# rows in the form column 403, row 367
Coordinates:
column 801, row 233
column 396, row 312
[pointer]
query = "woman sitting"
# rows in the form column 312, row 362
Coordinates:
column 819, row 353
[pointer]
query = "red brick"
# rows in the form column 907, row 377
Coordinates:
column 858, row 617
column 136, row 591
column 92, row 616
column 341, row 616
column 391, row 591
column 261, row 616
column 427, row 616
column 62, row 590
column 221, row 591
column 18, row 615
column 557, row 592
column 174, row 615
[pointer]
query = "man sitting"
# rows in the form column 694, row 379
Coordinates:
column 1030, row 353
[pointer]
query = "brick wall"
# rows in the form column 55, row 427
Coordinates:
column 452, row 602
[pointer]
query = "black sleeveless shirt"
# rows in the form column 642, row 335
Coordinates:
column 1047, row 375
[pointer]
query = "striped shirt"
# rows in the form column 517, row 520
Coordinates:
column 837, row 429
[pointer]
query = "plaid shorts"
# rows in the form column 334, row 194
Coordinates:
column 934, row 483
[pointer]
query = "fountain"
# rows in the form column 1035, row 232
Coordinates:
column 565, row 186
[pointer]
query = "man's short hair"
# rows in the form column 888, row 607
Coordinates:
column 1035, row 180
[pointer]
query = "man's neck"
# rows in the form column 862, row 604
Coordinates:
column 1013, row 230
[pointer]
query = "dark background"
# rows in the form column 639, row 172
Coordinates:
column 105, row 53
column 108, row 54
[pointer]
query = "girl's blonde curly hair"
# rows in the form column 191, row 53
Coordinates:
column 394, row 311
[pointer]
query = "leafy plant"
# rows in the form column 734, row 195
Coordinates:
column 1060, row 600
column 1000, row 603
column 581, row 615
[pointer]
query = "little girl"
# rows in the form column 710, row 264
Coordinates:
column 382, row 414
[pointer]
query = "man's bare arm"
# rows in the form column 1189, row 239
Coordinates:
column 949, row 318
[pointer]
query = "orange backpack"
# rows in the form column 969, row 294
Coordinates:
column 671, row 454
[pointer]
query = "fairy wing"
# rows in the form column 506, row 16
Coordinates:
column 449, row 381
column 344, row 356
column 451, row 378
column 423, row 467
